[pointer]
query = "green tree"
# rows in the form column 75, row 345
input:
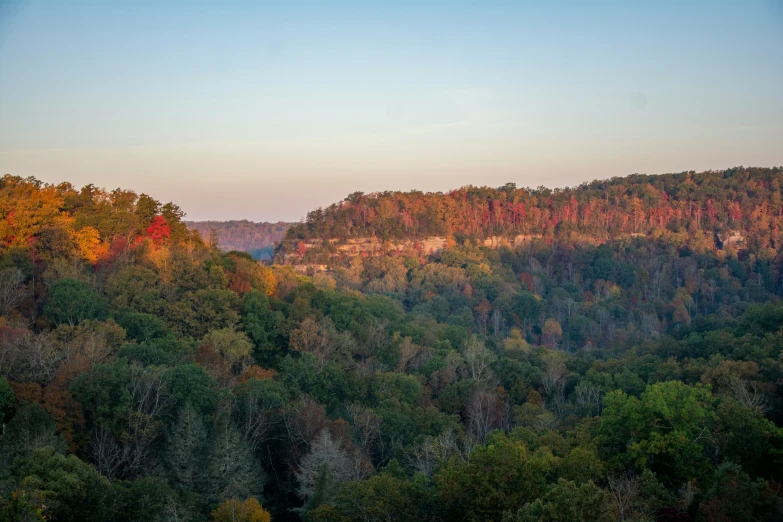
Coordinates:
column 563, row 502
column 105, row 395
column 147, row 498
column 746, row 436
column 525, row 308
column 63, row 487
column 262, row 325
column 31, row 428
column 668, row 429
column 196, row 313
column 500, row 476
column 735, row 496
column 377, row 499
column 189, row 383
column 17, row 508
column 71, row 301
column 147, row 208
column 142, row 327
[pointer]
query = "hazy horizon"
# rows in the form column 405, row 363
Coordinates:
column 266, row 111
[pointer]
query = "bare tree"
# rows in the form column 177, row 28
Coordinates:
column 424, row 457
column 559, row 307
column 478, row 359
column 409, row 352
column 588, row 399
column 305, row 422
column 553, row 378
column 650, row 324
column 148, row 387
column 257, row 416
column 485, row 413
column 366, row 426
column 313, row 337
column 43, row 357
column 94, row 347
column 374, row 336
column 175, row 512
column 125, row 455
column 571, row 306
column 29, row 357
column 629, row 501
column 427, row 455
column 623, row 490
column 11, row 289
column 750, row 395
column 107, row 453
column 498, row 322
column 366, row 368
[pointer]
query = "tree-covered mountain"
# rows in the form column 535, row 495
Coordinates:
column 690, row 208
column 621, row 361
column 257, row 239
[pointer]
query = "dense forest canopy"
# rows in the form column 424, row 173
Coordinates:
column 691, row 206
column 623, row 362
column 257, row 239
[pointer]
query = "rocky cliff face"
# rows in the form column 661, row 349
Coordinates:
column 375, row 246
column 317, row 254
column 369, row 246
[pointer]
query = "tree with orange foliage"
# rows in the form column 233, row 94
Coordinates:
column 258, row 373
column 234, row 510
column 248, row 274
column 26, row 207
column 483, row 309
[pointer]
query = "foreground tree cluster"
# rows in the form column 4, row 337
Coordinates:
column 146, row 375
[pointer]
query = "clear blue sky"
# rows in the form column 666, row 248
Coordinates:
column 265, row 110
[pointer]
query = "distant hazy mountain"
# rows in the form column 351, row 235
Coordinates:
column 258, row 239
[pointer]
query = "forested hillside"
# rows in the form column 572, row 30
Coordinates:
column 700, row 210
column 257, row 239
column 621, row 361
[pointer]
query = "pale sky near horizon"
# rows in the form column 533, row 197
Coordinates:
column 266, row 110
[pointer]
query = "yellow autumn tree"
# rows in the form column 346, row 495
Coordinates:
column 162, row 260
column 516, row 341
column 234, row 510
column 26, row 206
column 266, row 279
column 88, row 241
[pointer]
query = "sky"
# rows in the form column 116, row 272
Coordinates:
column 265, row 110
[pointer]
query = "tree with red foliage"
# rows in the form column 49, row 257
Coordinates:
column 159, row 230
